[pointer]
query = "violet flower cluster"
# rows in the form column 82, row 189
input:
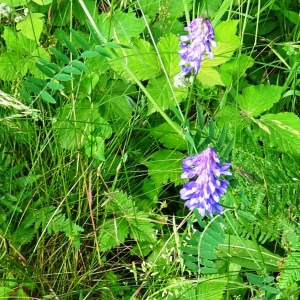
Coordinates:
column 193, row 46
column 204, row 192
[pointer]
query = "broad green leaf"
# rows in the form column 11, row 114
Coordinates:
column 141, row 60
column 166, row 135
column 32, row 26
column 284, row 131
column 114, row 105
column 256, row 100
column 15, row 3
column 120, row 25
column 121, row 204
column 112, row 233
column 227, row 43
column 168, row 48
column 96, row 149
column 209, row 77
column 73, row 131
column 16, row 41
column 234, row 69
column 149, row 8
column 160, row 90
column 141, row 227
column 42, row 2
column 12, row 65
column 164, row 166
column 246, row 254
column 34, row 58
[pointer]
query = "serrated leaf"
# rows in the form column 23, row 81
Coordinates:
column 73, row 134
column 227, row 43
column 166, row 135
column 161, row 92
column 234, row 69
column 32, row 26
column 141, row 227
column 258, row 99
column 141, row 60
column 12, row 65
column 120, row 25
column 168, row 47
column 112, row 233
column 284, row 131
column 114, row 105
column 165, row 165
column 209, row 77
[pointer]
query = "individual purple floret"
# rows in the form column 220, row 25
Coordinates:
column 204, row 192
column 194, row 45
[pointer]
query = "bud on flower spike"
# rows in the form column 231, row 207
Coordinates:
column 204, row 192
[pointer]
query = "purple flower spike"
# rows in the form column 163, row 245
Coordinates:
column 204, row 192
column 193, row 46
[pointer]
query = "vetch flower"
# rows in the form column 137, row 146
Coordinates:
column 194, row 45
column 204, row 192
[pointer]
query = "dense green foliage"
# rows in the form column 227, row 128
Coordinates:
column 93, row 133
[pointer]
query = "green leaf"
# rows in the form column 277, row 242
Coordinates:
column 168, row 47
column 114, row 105
column 227, row 43
column 63, row 77
column 32, row 26
column 60, row 55
column 256, row 100
column 96, row 149
column 43, row 2
column 284, row 131
column 161, row 91
column 141, row 60
column 234, row 69
column 80, row 39
column 71, row 70
column 166, row 135
column 55, row 85
column 80, row 65
column 209, row 77
column 47, row 97
column 89, row 53
column 141, row 227
column 246, row 254
column 12, row 65
column 165, row 165
column 112, row 233
column 35, row 56
column 74, row 133
column 120, row 25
